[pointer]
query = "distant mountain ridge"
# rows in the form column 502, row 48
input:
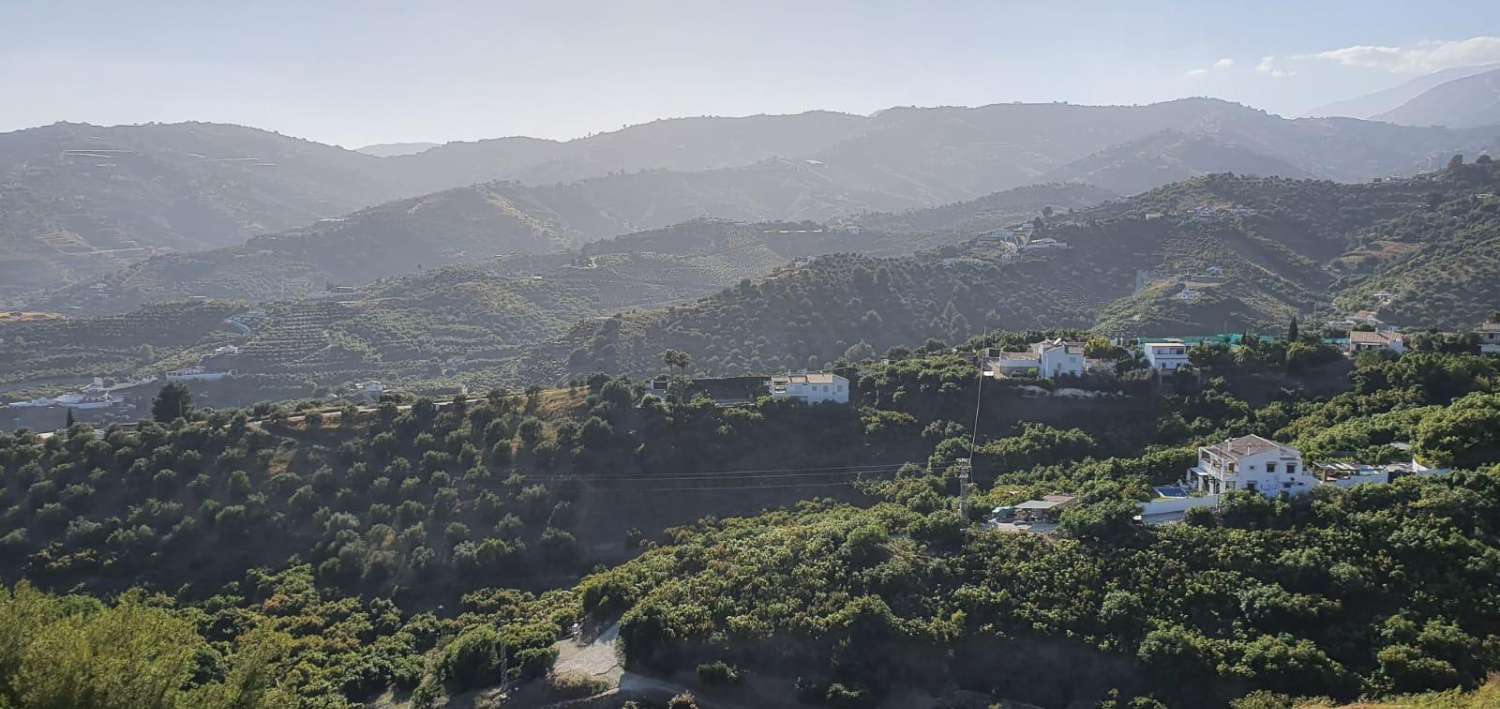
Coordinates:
column 1211, row 254
column 1470, row 102
column 389, row 150
column 1371, row 105
column 85, row 201
column 477, row 223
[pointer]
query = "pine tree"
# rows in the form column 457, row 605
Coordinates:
column 174, row 402
column 1291, row 330
column 70, row 418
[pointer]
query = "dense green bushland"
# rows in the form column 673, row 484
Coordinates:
column 382, row 539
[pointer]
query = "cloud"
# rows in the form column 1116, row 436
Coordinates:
column 1274, row 67
column 1421, row 58
column 1220, row 65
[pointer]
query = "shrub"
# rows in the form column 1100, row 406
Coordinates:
column 719, row 672
column 575, row 685
column 472, row 659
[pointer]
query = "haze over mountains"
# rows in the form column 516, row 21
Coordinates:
column 1373, row 104
column 1462, row 103
column 135, row 200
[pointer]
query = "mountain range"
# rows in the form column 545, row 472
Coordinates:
column 1210, row 254
column 84, row 220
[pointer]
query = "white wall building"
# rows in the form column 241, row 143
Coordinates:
column 811, row 387
column 1166, row 356
column 1048, row 359
column 1250, row 463
column 1060, row 358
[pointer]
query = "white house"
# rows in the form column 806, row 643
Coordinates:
column 1048, row 359
column 811, row 387
column 1250, row 463
column 1366, row 341
column 1166, row 356
column 1060, row 358
column 1489, row 338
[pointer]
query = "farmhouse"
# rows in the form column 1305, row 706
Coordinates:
column 811, row 387
column 1048, row 359
column 1250, row 463
column 1166, row 356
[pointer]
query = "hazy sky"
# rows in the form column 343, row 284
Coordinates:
column 357, row 72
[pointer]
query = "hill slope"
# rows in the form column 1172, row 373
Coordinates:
column 73, row 191
column 1212, row 254
column 90, row 199
column 1169, row 156
column 474, row 223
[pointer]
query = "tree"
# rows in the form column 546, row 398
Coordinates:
column 1291, row 330
column 677, row 359
column 70, row 422
column 174, row 401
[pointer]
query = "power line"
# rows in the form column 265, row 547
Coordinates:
column 749, row 472
column 716, row 488
column 709, row 476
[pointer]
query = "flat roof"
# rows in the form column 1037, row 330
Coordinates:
column 1047, row 502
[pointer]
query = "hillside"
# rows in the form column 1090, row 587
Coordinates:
column 427, row 549
column 475, row 223
column 1470, row 102
column 88, row 200
column 1437, row 266
column 1207, row 255
column 1166, row 157
column 81, row 198
column 1212, row 254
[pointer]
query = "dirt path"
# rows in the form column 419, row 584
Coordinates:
column 596, row 658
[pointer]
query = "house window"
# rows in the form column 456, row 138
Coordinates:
column 1286, row 485
column 1270, row 467
column 1291, row 468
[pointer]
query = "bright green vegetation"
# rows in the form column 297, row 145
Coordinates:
column 384, row 541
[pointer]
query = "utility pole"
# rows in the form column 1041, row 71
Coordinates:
column 964, row 465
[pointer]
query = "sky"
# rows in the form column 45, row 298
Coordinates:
column 358, row 72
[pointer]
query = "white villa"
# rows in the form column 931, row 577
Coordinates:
column 1366, row 341
column 1166, row 356
column 1250, row 463
column 1048, row 359
column 811, row 387
column 1489, row 338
